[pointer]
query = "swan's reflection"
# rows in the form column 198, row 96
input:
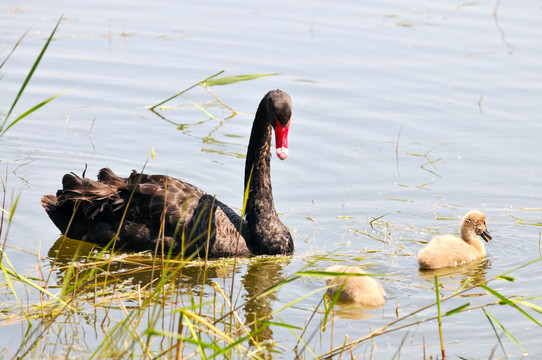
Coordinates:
column 128, row 272
column 451, row 278
column 260, row 276
column 128, row 269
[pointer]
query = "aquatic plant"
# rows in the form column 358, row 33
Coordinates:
column 139, row 305
column 5, row 126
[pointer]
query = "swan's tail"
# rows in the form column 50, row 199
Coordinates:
column 81, row 200
column 49, row 203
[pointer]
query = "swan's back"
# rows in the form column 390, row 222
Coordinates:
column 364, row 290
column 445, row 251
column 142, row 210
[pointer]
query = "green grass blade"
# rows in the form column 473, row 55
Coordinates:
column 457, row 309
column 26, row 281
column 295, row 301
column 68, row 275
column 233, row 79
column 329, row 303
column 29, row 76
column 224, row 350
column 213, row 346
column 529, row 305
column 495, row 331
column 463, row 286
column 13, row 207
column 281, row 324
column 305, row 346
column 11, row 287
column 437, row 292
column 276, row 286
column 510, row 336
column 520, row 267
column 185, row 90
column 13, row 49
column 509, row 302
column 200, row 343
column 31, row 110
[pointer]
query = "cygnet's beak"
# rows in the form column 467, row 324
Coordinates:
column 485, row 235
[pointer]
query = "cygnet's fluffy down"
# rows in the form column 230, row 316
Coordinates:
column 364, row 290
column 449, row 250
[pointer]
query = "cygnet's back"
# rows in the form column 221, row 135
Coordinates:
column 364, row 290
column 449, row 250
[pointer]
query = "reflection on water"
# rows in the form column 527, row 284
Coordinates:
column 203, row 108
column 209, row 138
column 451, row 278
column 129, row 272
column 260, row 276
column 351, row 310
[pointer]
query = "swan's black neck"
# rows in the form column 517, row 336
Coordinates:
column 268, row 235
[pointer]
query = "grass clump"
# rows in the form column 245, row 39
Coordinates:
column 141, row 305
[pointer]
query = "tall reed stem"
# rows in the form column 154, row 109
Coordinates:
column 437, row 291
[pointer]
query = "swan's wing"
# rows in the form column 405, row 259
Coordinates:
column 193, row 217
column 142, row 210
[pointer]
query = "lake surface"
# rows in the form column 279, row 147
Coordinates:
column 409, row 113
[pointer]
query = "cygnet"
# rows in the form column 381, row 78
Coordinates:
column 364, row 290
column 449, row 250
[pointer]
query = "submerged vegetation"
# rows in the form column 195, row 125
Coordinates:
column 82, row 301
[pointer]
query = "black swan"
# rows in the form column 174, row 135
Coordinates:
column 164, row 214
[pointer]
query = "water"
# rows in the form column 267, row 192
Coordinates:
column 408, row 112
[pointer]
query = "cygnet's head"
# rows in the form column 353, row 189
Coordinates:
column 475, row 221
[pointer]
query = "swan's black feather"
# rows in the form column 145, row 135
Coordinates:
column 158, row 212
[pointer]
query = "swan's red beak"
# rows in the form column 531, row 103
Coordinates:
column 281, row 140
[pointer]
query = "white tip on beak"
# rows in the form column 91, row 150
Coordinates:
column 282, row 153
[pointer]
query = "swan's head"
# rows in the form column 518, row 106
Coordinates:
column 476, row 221
column 279, row 113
